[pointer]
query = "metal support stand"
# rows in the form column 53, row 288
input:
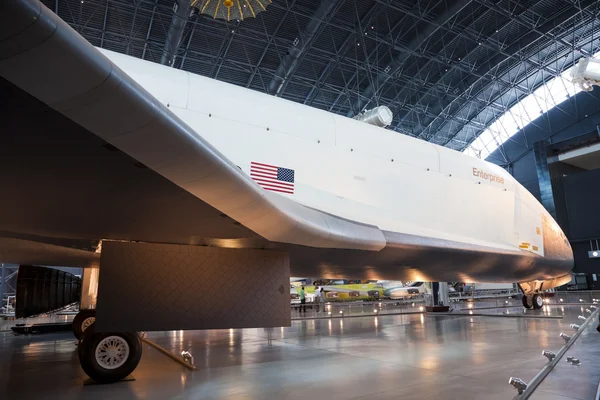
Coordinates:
column 441, row 298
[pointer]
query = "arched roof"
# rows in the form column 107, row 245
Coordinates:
column 448, row 69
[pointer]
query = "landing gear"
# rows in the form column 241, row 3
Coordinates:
column 109, row 357
column 538, row 301
column 527, row 301
column 535, row 301
column 83, row 320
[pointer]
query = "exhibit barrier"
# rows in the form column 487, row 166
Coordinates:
column 575, row 297
column 499, row 305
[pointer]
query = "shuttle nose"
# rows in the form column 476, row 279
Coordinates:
column 556, row 244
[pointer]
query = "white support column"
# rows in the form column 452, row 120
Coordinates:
column 443, row 298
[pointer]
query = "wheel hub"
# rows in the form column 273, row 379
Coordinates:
column 539, row 301
column 112, row 352
column 87, row 322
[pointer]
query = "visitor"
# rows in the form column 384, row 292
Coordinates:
column 302, row 300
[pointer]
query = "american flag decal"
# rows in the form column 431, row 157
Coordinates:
column 270, row 177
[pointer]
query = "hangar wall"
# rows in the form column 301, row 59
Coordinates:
column 582, row 198
column 570, row 193
column 575, row 116
column 582, row 223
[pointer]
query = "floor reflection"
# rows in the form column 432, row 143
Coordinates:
column 379, row 356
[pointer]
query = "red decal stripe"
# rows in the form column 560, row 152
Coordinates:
column 261, row 175
column 274, row 183
column 264, row 170
column 264, row 165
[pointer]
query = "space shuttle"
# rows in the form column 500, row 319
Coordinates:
column 345, row 198
column 100, row 147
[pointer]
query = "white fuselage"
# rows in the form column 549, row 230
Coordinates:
column 349, row 168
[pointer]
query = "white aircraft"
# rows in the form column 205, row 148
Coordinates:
column 97, row 145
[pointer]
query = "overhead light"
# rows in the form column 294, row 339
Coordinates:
column 586, row 73
column 565, row 337
column 581, row 317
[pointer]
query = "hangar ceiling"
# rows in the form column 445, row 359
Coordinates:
column 447, row 69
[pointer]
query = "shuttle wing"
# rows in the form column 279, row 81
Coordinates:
column 45, row 57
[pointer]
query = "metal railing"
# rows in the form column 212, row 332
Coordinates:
column 580, row 296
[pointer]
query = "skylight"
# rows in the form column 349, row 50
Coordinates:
column 543, row 99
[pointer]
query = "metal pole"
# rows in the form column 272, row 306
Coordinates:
column 444, row 298
column 2, row 285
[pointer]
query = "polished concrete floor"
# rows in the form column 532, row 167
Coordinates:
column 567, row 381
column 385, row 357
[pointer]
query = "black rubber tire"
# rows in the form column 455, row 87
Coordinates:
column 537, row 301
column 87, row 358
column 526, row 302
column 78, row 321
